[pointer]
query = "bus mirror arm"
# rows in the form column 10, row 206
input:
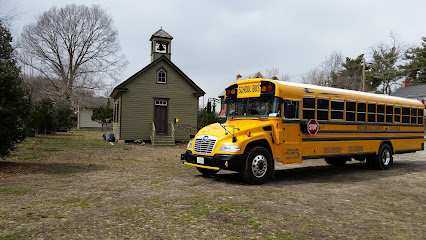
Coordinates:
column 234, row 139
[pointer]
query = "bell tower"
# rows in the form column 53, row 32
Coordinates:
column 161, row 44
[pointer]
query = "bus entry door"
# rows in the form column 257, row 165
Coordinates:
column 291, row 143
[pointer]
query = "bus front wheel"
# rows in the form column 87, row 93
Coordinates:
column 257, row 166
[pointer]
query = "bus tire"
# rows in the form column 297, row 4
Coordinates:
column 258, row 165
column 336, row 161
column 207, row 172
column 384, row 159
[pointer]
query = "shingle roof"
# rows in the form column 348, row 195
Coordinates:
column 411, row 91
column 253, row 75
column 162, row 34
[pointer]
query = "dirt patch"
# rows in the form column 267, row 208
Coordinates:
column 12, row 169
column 84, row 188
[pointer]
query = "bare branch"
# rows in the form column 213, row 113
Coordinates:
column 76, row 44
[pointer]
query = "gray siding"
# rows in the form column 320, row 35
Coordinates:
column 138, row 103
column 85, row 119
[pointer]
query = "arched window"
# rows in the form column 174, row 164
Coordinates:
column 161, row 76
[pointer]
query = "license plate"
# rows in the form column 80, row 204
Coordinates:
column 200, row 160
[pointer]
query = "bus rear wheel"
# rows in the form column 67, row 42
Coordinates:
column 207, row 172
column 384, row 159
column 257, row 166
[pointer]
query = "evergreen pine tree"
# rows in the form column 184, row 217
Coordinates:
column 103, row 114
column 415, row 70
column 15, row 106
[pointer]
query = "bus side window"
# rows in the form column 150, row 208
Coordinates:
column 361, row 110
column 291, row 109
column 405, row 115
column 413, row 115
column 350, row 111
column 397, row 116
column 420, row 116
column 372, row 112
column 389, row 113
column 380, row 113
column 322, row 108
column 308, row 108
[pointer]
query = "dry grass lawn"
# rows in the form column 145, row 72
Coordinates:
column 76, row 186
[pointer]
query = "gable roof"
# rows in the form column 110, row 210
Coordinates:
column 411, row 91
column 94, row 102
column 162, row 34
column 251, row 76
column 121, row 87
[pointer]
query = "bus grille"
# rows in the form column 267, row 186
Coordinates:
column 205, row 147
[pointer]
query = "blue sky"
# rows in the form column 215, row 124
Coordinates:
column 216, row 40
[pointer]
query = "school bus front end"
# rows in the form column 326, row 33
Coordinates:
column 253, row 111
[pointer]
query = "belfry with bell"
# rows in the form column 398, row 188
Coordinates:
column 161, row 44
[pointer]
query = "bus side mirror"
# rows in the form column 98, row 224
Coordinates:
column 221, row 119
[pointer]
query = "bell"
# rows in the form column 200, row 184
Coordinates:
column 160, row 47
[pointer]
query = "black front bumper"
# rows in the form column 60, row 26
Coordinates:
column 222, row 161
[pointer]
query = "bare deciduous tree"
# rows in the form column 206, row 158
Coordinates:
column 325, row 74
column 386, row 58
column 316, row 76
column 285, row 77
column 274, row 72
column 75, row 47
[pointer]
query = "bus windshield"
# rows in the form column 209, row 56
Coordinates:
column 254, row 107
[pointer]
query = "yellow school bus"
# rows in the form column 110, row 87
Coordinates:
column 268, row 121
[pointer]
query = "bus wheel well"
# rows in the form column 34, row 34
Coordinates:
column 262, row 142
column 388, row 143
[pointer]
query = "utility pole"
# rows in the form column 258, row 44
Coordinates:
column 363, row 74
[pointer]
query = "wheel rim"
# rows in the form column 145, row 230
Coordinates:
column 259, row 166
column 386, row 157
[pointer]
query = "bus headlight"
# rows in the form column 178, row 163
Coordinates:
column 230, row 148
column 189, row 145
